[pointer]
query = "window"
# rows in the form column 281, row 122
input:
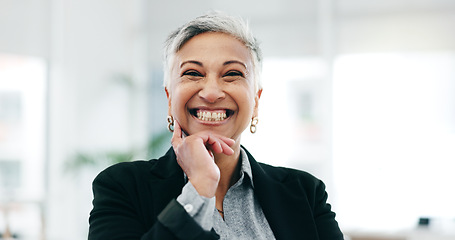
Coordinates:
column 394, row 139
column 22, row 145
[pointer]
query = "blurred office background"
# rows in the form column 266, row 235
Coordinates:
column 359, row 93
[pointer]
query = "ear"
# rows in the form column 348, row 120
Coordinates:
column 168, row 95
column 256, row 102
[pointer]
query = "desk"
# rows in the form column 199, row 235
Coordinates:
column 417, row 234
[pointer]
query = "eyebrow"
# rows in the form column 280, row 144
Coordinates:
column 224, row 64
column 233, row 62
column 191, row 61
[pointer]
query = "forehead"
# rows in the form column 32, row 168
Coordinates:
column 212, row 47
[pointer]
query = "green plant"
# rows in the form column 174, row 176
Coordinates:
column 155, row 147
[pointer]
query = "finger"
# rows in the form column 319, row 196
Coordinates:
column 228, row 141
column 220, row 144
column 211, row 154
column 226, row 145
column 215, row 137
column 177, row 134
column 226, row 148
column 214, row 143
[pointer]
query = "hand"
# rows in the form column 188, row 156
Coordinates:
column 195, row 157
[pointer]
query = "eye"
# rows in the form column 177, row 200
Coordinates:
column 233, row 74
column 192, row 73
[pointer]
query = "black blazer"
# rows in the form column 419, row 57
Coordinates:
column 134, row 200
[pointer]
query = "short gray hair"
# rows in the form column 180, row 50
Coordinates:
column 213, row 22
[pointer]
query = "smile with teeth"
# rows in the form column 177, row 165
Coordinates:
column 211, row 116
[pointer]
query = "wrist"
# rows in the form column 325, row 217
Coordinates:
column 205, row 185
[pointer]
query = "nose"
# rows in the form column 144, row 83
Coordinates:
column 212, row 90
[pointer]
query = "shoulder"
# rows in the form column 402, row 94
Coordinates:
column 129, row 167
column 285, row 174
column 289, row 177
column 125, row 172
column 300, row 184
column 139, row 170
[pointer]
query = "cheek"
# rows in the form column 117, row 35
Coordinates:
column 245, row 99
column 180, row 98
column 176, row 103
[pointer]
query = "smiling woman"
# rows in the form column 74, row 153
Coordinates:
column 208, row 186
column 216, row 83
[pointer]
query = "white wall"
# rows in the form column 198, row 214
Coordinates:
column 93, row 42
column 25, row 27
column 391, row 32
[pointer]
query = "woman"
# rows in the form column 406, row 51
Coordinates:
column 207, row 186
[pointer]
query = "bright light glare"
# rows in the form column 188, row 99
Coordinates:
column 394, row 139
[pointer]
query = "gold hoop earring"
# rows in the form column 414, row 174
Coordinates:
column 170, row 123
column 254, row 122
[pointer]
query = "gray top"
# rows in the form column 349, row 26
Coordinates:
column 243, row 216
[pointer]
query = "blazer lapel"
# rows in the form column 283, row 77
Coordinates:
column 285, row 207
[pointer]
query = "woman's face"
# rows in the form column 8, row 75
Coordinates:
column 212, row 86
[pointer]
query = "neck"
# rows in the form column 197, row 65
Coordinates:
column 229, row 170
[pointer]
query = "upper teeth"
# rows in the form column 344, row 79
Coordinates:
column 211, row 116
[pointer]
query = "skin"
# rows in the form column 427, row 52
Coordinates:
column 211, row 72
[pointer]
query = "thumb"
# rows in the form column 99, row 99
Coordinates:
column 177, row 134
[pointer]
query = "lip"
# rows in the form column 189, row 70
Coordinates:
column 193, row 112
